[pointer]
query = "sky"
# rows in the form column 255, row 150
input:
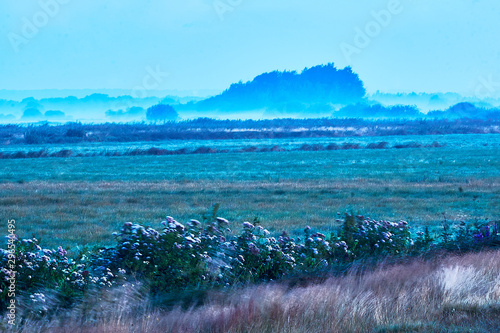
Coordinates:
column 194, row 45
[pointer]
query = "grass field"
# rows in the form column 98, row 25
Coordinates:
column 78, row 201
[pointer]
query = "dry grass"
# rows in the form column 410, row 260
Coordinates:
column 455, row 294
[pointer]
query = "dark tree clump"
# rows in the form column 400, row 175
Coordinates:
column 161, row 112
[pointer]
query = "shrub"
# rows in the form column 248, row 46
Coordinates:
column 171, row 259
column 259, row 257
column 202, row 255
column 37, row 269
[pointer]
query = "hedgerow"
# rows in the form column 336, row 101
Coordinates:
column 204, row 255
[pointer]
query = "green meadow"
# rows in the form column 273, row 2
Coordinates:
column 80, row 201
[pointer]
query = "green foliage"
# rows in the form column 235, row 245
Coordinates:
column 203, row 255
column 171, row 259
column 423, row 240
column 446, row 234
column 257, row 257
column 349, row 229
column 208, row 217
column 463, row 234
column 36, row 269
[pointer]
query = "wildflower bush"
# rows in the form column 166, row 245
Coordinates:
column 371, row 237
column 37, row 268
column 171, row 259
column 202, row 255
column 257, row 256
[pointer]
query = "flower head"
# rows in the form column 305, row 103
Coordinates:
column 222, row 220
column 248, row 225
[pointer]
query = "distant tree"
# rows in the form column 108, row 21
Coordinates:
column 54, row 114
column 463, row 110
column 131, row 113
column 161, row 112
column 96, row 98
column 288, row 91
column 30, row 103
column 31, row 114
column 114, row 114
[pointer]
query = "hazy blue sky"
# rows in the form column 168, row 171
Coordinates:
column 424, row 45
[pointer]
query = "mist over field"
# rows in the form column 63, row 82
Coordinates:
column 419, row 57
column 317, row 92
column 250, row 166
